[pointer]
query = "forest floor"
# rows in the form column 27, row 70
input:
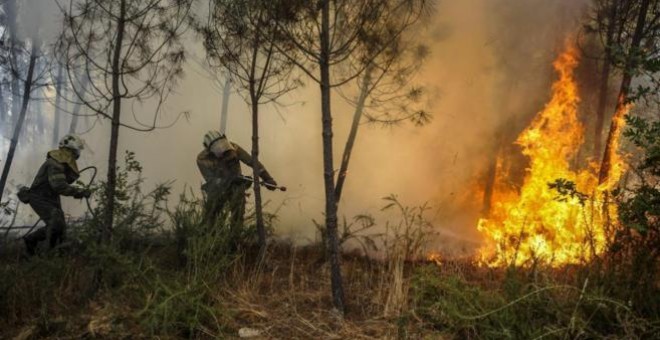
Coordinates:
column 54, row 296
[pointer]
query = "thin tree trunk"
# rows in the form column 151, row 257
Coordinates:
column 503, row 136
column 37, row 108
column 15, row 92
column 604, row 81
column 58, row 111
column 602, row 105
column 21, row 118
column 256, row 171
column 328, row 169
column 491, row 176
column 114, row 132
column 12, row 14
column 226, row 91
column 352, row 135
column 631, row 64
column 3, row 111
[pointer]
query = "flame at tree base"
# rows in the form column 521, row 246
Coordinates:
column 535, row 223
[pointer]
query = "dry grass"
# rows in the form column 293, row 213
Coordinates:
column 288, row 297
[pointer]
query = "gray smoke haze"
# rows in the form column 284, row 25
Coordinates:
column 489, row 70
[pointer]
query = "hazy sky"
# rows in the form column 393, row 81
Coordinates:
column 439, row 163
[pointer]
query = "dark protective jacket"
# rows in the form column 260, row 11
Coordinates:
column 53, row 179
column 226, row 169
column 56, row 175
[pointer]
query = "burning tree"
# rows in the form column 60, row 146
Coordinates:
column 536, row 223
column 609, row 21
column 640, row 53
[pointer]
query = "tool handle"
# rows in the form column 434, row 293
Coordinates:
column 273, row 186
column 250, row 179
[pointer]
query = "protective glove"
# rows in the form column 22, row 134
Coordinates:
column 84, row 193
column 270, row 184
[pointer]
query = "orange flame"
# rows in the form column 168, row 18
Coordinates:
column 534, row 223
column 434, row 257
column 615, row 166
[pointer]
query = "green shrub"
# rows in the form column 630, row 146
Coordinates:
column 517, row 309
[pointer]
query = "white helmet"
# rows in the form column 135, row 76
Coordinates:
column 73, row 143
column 217, row 143
column 211, row 137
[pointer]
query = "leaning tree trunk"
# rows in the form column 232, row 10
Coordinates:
column 602, row 105
column 630, row 65
column 328, row 168
column 114, row 132
column 603, row 91
column 21, row 118
column 352, row 135
column 58, row 102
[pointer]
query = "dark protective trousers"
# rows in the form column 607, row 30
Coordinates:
column 50, row 211
column 229, row 202
column 226, row 201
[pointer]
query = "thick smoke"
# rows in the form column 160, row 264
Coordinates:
column 489, row 70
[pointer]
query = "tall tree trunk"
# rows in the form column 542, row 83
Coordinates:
column 21, row 118
column 352, row 135
column 256, row 171
column 3, row 111
column 503, row 136
column 602, row 105
column 114, row 132
column 491, row 176
column 12, row 14
column 630, row 66
column 58, row 102
column 37, row 108
column 226, row 91
column 604, row 81
column 328, row 169
column 75, row 115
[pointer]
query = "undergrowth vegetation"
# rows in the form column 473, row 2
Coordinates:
column 168, row 273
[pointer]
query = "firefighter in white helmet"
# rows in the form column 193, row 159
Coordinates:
column 53, row 180
column 220, row 166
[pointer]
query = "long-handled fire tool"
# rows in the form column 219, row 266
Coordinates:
column 270, row 186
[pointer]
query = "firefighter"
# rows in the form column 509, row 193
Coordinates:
column 53, row 180
column 224, row 185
